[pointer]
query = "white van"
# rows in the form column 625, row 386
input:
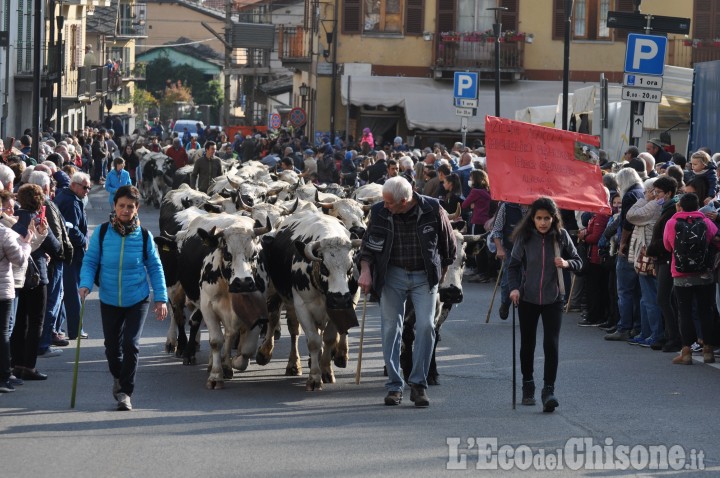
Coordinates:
column 180, row 125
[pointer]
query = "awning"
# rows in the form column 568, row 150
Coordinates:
column 428, row 103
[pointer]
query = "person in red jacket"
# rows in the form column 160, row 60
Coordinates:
column 597, row 274
column 177, row 153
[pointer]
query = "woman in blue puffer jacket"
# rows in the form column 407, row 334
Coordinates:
column 124, row 291
column 117, row 178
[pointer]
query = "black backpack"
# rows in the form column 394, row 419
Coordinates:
column 691, row 251
column 102, row 232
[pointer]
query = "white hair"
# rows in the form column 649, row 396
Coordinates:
column 380, row 155
column 648, row 184
column 26, row 174
column 649, row 160
column 627, row 178
column 80, row 177
column 406, row 163
column 398, row 187
column 7, row 175
column 40, row 178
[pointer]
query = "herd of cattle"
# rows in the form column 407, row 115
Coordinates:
column 259, row 243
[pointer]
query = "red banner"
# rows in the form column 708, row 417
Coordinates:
column 526, row 161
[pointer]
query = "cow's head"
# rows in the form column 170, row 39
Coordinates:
column 450, row 289
column 350, row 213
column 332, row 268
column 169, row 254
column 236, row 250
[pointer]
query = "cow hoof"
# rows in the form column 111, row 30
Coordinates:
column 215, row 385
column 240, row 363
column 340, row 362
column 433, row 380
column 169, row 348
column 189, row 360
column 228, row 373
column 262, row 359
column 328, row 377
column 312, row 386
column 293, row 371
column 277, row 334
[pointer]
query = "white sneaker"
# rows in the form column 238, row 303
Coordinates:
column 51, row 352
column 124, row 402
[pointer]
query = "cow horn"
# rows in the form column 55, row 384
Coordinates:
column 287, row 212
column 259, row 231
column 366, row 207
column 326, row 205
column 242, row 204
column 172, row 237
column 310, row 253
column 470, row 238
column 456, row 214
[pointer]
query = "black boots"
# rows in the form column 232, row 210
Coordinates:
column 548, row 398
column 528, row 389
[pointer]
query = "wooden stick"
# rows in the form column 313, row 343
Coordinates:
column 360, row 346
column 497, row 283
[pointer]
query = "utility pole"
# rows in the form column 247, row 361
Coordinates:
column 566, row 62
column 228, row 61
column 37, row 40
column 333, row 86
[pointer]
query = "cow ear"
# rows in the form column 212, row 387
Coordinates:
column 458, row 225
column 210, row 239
column 267, row 241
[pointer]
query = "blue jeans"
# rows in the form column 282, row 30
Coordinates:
column 651, row 319
column 54, row 304
column 628, row 293
column 13, row 313
column 71, row 279
column 5, row 311
column 400, row 283
column 122, row 328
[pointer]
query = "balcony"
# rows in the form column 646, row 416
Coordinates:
column 132, row 20
column 460, row 51
column 294, row 45
column 686, row 53
column 92, row 82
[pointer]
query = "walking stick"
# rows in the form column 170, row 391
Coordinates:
column 569, row 296
column 362, row 337
column 497, row 283
column 77, row 355
column 514, row 373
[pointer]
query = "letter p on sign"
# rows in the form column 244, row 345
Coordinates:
column 645, row 54
column 465, row 85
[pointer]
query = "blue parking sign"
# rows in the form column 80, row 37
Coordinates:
column 645, row 54
column 466, row 85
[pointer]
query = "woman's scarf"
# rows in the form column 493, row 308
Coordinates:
column 124, row 229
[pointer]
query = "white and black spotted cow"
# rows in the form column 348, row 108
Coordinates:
column 310, row 264
column 450, row 293
column 218, row 255
column 156, row 177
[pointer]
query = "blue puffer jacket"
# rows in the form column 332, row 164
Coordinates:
column 123, row 275
column 114, row 181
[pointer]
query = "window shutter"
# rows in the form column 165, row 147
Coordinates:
column 703, row 20
column 446, row 15
column 623, row 6
column 351, row 16
column 509, row 19
column 558, row 20
column 414, row 24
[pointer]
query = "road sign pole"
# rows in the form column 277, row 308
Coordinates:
column 636, row 108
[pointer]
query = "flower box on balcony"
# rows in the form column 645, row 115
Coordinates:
column 450, row 38
column 473, row 37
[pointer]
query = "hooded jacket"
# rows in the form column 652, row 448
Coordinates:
column 532, row 268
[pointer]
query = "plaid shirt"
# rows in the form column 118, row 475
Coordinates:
column 405, row 252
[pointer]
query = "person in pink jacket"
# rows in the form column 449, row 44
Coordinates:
column 14, row 251
column 692, row 287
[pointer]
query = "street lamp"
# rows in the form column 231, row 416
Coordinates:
column 497, row 31
column 303, row 90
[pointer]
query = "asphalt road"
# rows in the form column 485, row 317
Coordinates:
column 265, row 424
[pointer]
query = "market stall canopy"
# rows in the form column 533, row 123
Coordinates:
column 428, row 104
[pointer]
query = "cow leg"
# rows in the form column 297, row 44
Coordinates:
column 294, row 366
column 264, row 353
column 442, row 315
column 177, row 303
column 330, row 341
column 314, row 341
column 342, row 351
column 408, row 338
column 192, row 343
column 248, row 345
column 215, row 379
